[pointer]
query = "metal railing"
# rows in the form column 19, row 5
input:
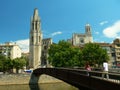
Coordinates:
column 114, row 76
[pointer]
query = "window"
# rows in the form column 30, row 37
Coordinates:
column 32, row 39
column 118, row 57
column 45, row 47
column 32, row 25
column 36, row 25
column 39, row 38
column 81, row 40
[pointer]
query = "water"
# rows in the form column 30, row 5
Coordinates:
column 52, row 86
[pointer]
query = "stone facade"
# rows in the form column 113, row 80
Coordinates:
column 81, row 39
column 35, row 41
column 45, row 46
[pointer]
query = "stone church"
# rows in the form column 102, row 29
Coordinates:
column 79, row 39
column 38, row 47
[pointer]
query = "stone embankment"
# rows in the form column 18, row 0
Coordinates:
column 7, row 79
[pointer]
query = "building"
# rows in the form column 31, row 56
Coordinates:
column 10, row 50
column 35, row 41
column 108, row 47
column 81, row 39
column 45, row 46
column 116, row 52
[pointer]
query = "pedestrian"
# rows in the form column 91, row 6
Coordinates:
column 88, row 68
column 105, row 70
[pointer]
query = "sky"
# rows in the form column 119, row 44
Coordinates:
column 59, row 19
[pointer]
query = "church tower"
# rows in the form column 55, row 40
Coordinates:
column 88, row 33
column 35, row 41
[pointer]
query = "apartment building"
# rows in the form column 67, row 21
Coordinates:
column 10, row 50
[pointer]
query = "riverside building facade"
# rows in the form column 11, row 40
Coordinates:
column 10, row 50
column 116, row 52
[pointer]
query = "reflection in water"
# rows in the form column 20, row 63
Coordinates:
column 57, row 86
column 52, row 86
column 34, row 87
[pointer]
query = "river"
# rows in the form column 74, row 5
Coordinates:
column 52, row 86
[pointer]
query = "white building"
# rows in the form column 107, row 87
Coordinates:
column 10, row 50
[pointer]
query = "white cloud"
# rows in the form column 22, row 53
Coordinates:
column 56, row 33
column 103, row 22
column 24, row 44
column 112, row 31
column 97, row 33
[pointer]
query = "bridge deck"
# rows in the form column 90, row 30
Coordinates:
column 80, row 79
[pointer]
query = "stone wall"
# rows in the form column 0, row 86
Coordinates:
column 6, row 79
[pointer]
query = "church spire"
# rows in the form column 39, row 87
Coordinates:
column 36, row 15
column 35, row 41
column 35, row 21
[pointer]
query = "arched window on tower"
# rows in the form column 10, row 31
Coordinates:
column 33, row 25
column 36, row 25
column 39, row 38
column 32, row 40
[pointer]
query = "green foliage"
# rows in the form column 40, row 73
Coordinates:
column 6, row 64
column 1, row 62
column 26, row 58
column 64, row 55
column 94, row 54
column 18, row 63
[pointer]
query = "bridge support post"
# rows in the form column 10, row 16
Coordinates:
column 33, row 79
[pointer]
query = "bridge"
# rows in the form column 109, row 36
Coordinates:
column 79, row 78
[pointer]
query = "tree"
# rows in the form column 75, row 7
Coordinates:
column 26, row 58
column 8, row 65
column 1, row 62
column 94, row 54
column 64, row 54
column 5, row 64
column 18, row 63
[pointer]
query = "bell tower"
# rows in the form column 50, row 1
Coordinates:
column 88, row 29
column 88, row 33
column 35, row 41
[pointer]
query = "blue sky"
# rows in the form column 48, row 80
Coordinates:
column 60, row 18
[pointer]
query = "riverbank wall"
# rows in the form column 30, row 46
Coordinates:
column 8, row 79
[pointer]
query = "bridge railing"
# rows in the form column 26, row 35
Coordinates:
column 113, row 76
column 80, row 78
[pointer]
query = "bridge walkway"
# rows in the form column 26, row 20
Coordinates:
column 80, row 79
